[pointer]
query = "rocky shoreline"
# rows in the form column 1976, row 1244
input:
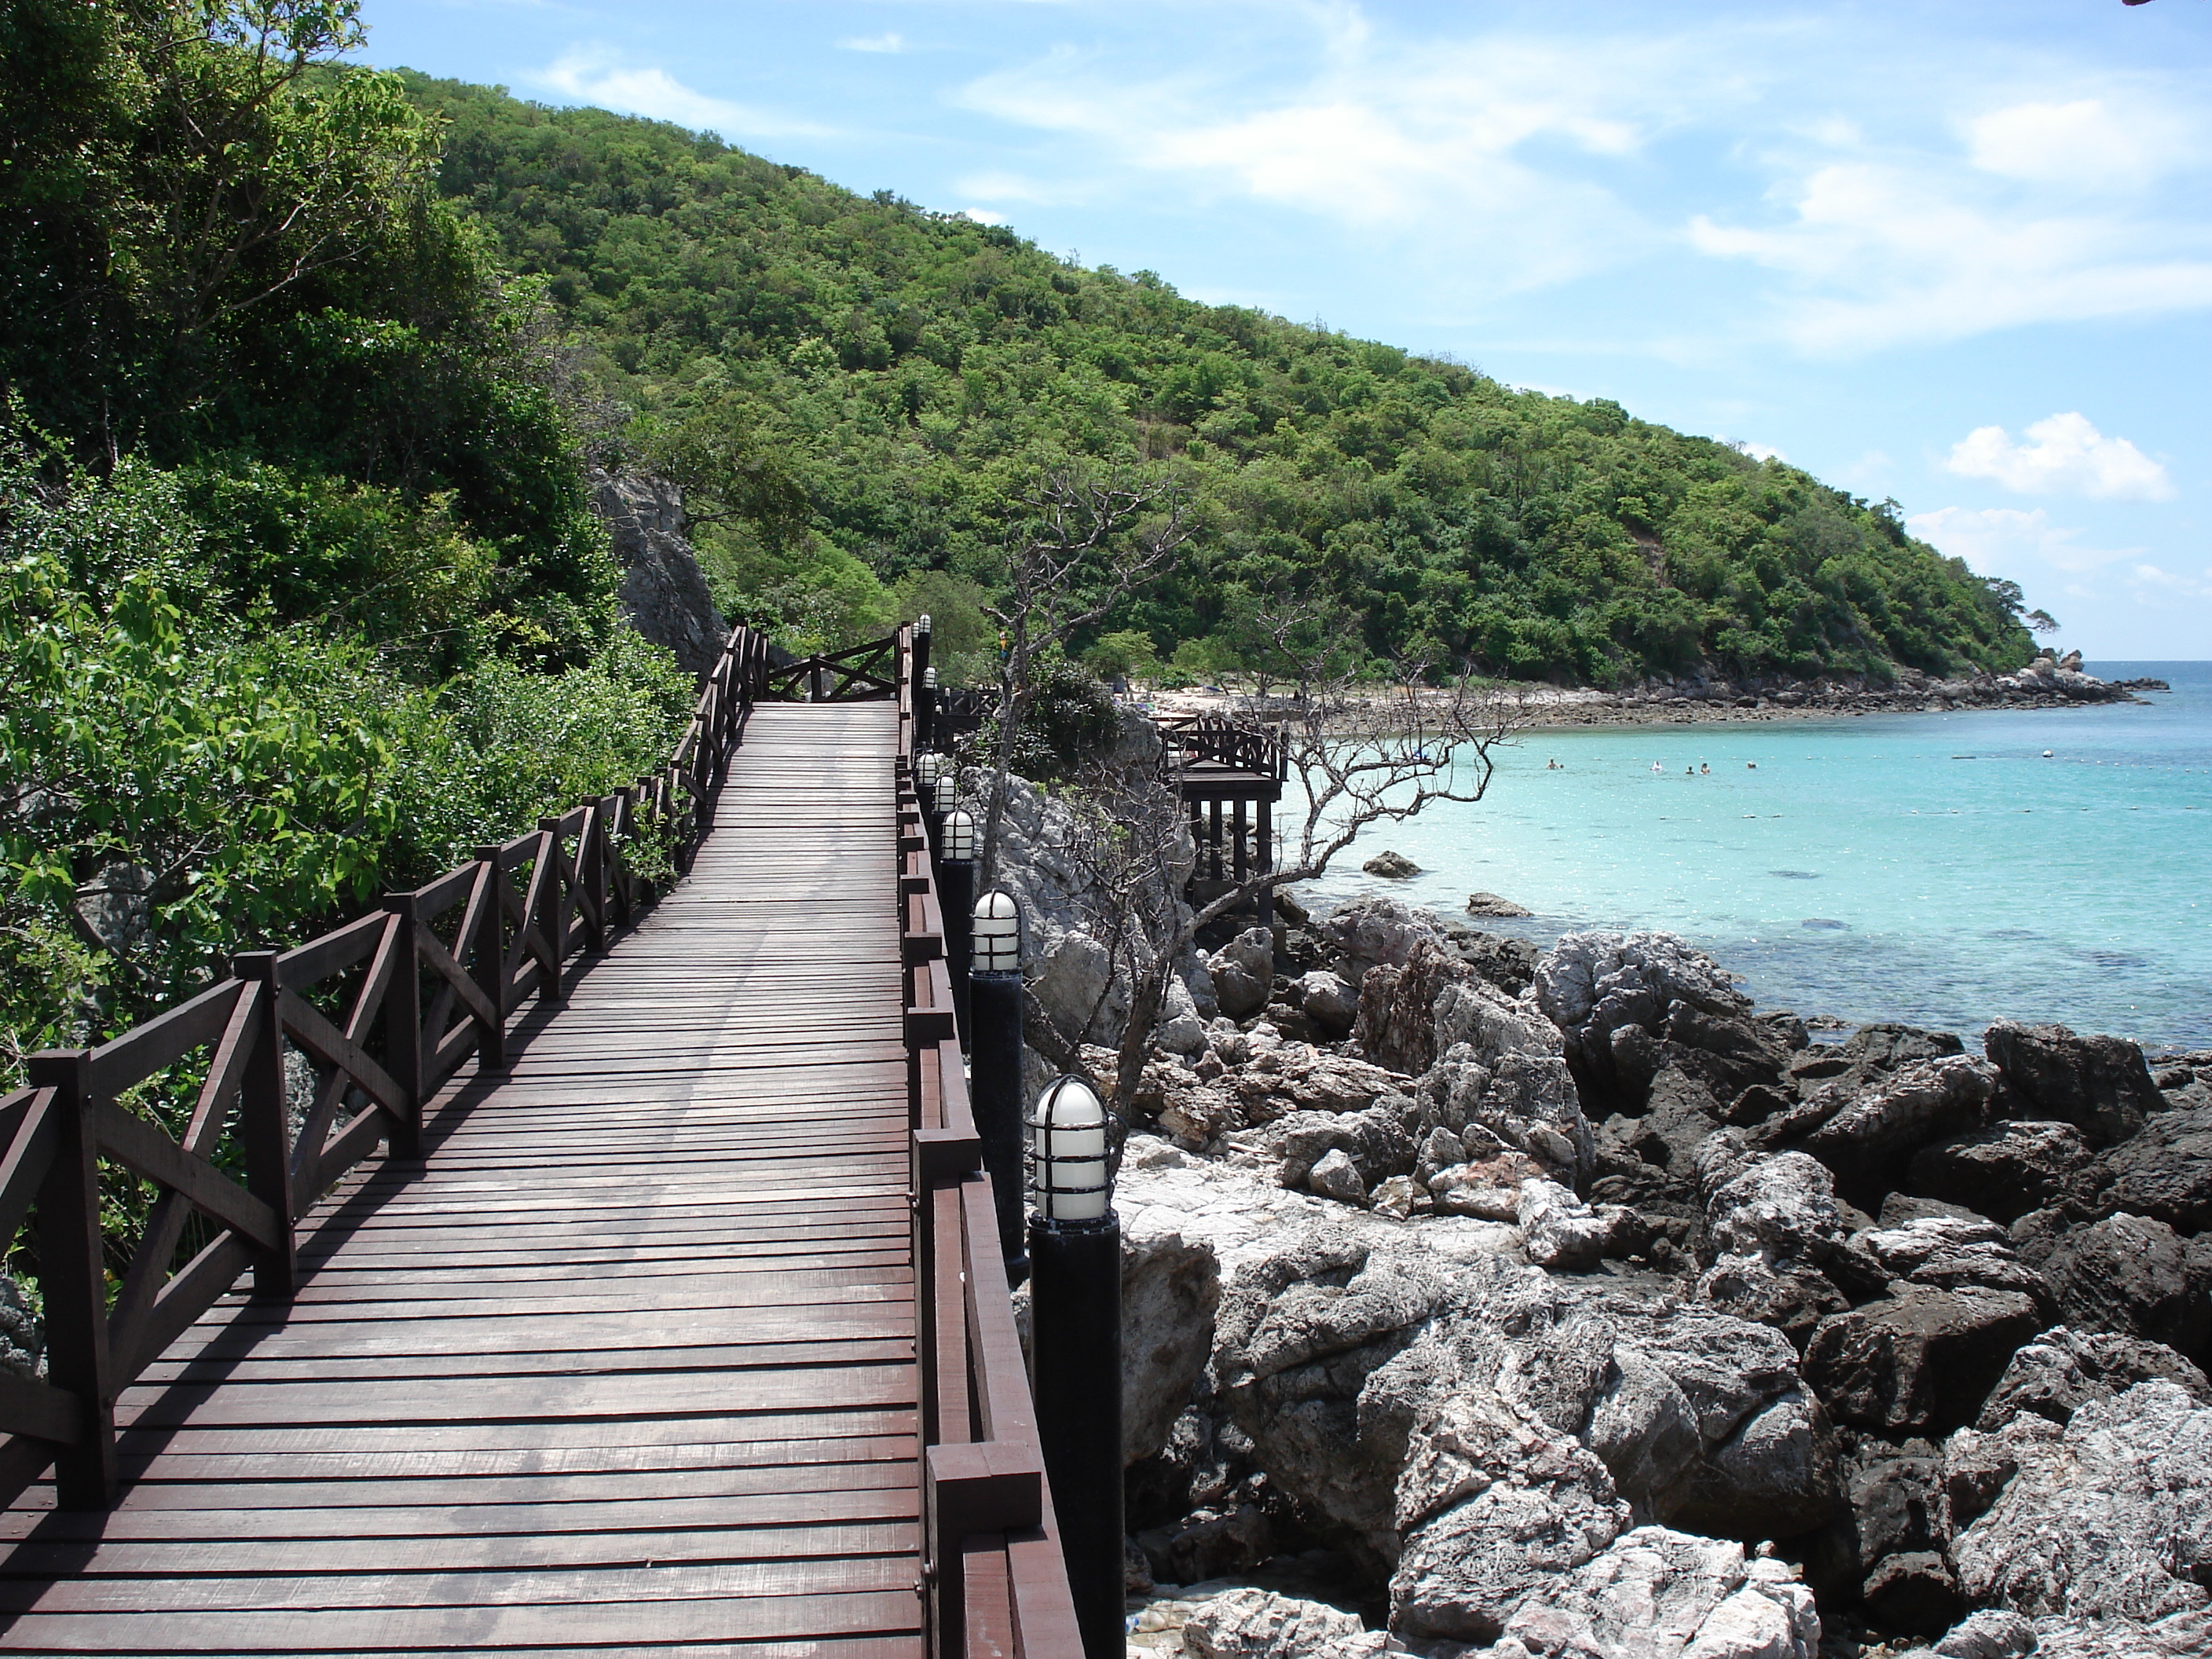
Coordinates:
column 2047, row 681
column 1482, row 1302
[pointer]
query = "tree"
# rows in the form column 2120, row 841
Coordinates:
column 1361, row 749
column 1125, row 654
column 1087, row 542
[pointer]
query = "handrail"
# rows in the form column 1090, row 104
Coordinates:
column 993, row 1573
column 1188, row 740
column 483, row 939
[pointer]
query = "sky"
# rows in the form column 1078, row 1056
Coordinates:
column 1956, row 255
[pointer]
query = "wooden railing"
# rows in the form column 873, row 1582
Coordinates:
column 1193, row 739
column 387, row 1009
column 861, row 673
column 993, row 1578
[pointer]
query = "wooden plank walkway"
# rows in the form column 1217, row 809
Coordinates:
column 627, row 1363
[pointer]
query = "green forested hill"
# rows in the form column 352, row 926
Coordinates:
column 899, row 372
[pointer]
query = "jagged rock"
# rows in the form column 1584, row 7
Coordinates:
column 662, row 594
column 1391, row 866
column 115, row 908
column 1257, row 1624
column 1208, row 1543
column 1678, row 1115
column 2063, row 1369
column 2165, row 1170
column 1296, row 1077
column 1370, row 932
column 1170, row 1289
column 1656, row 1593
column 2004, row 1172
column 1396, row 1025
column 1244, row 973
column 2098, row 1083
column 1493, row 1504
column 1912, row 1592
column 2185, row 1635
column 1327, row 1000
column 1729, row 1052
column 1865, row 1141
column 1950, row 1251
column 2112, row 1519
column 1976, row 1466
column 1507, row 962
column 1920, row 1359
column 1992, row 1633
column 1775, row 1245
column 1336, row 1175
column 1488, row 1187
column 2132, row 1274
column 1593, row 984
column 1886, row 1047
column 1490, row 904
column 1561, row 1231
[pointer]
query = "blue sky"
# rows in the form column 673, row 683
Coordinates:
column 1960, row 254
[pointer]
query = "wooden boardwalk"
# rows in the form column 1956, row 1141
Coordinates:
column 627, row 1363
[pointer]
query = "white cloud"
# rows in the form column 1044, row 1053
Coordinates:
column 1886, row 254
column 2064, row 454
column 597, row 74
column 1759, row 452
column 982, row 216
column 2005, row 541
column 888, row 42
column 2150, row 581
column 2083, row 142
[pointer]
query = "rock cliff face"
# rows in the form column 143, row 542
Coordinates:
column 663, row 595
column 1613, row 1318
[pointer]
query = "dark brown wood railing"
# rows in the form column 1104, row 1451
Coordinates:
column 387, row 1009
column 993, row 1576
column 1195, row 739
column 862, row 672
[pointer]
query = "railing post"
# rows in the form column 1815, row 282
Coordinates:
column 403, row 1028
column 488, row 965
column 264, row 1125
column 72, row 1276
column 555, row 924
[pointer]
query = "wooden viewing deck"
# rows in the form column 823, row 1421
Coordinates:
column 631, row 1358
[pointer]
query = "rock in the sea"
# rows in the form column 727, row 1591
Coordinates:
column 2098, row 1083
column 2111, row 1520
column 1392, row 866
column 1257, row 1624
column 2165, row 1170
column 2132, row 1274
column 1490, row 904
column 663, row 595
column 2004, row 1172
column 2063, row 1369
column 1657, row 1594
column 1921, row 1359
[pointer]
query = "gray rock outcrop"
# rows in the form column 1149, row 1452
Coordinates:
column 662, row 594
column 2097, row 1084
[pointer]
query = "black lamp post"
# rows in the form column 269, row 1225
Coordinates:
column 994, row 1064
column 956, row 893
column 1075, row 1344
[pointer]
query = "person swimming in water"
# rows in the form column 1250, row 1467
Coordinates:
column 1751, row 766
column 1656, row 768
column 1689, row 771
column 1704, row 770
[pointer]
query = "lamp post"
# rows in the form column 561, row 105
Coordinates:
column 955, row 895
column 994, row 1067
column 925, row 706
column 921, row 643
column 1075, row 1343
column 928, row 772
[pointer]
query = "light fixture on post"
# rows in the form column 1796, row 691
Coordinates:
column 921, row 644
column 925, row 709
column 1075, row 1344
column 928, row 773
column 996, row 1063
column 956, row 897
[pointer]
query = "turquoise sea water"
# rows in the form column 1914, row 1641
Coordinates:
column 1932, row 868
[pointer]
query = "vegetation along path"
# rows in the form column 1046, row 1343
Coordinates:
column 628, row 1360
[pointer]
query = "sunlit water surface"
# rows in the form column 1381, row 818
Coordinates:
column 1933, row 868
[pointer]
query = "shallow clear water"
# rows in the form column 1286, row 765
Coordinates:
column 1932, row 868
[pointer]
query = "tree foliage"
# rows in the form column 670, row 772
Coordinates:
column 911, row 374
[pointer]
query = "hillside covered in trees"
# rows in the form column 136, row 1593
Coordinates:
column 865, row 385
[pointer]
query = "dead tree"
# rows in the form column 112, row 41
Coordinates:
column 1088, row 543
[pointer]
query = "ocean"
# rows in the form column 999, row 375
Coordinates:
column 1937, row 869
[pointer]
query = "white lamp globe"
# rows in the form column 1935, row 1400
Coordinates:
column 1067, row 1152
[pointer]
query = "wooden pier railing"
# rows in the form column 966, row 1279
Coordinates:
column 386, row 1008
column 993, row 1576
